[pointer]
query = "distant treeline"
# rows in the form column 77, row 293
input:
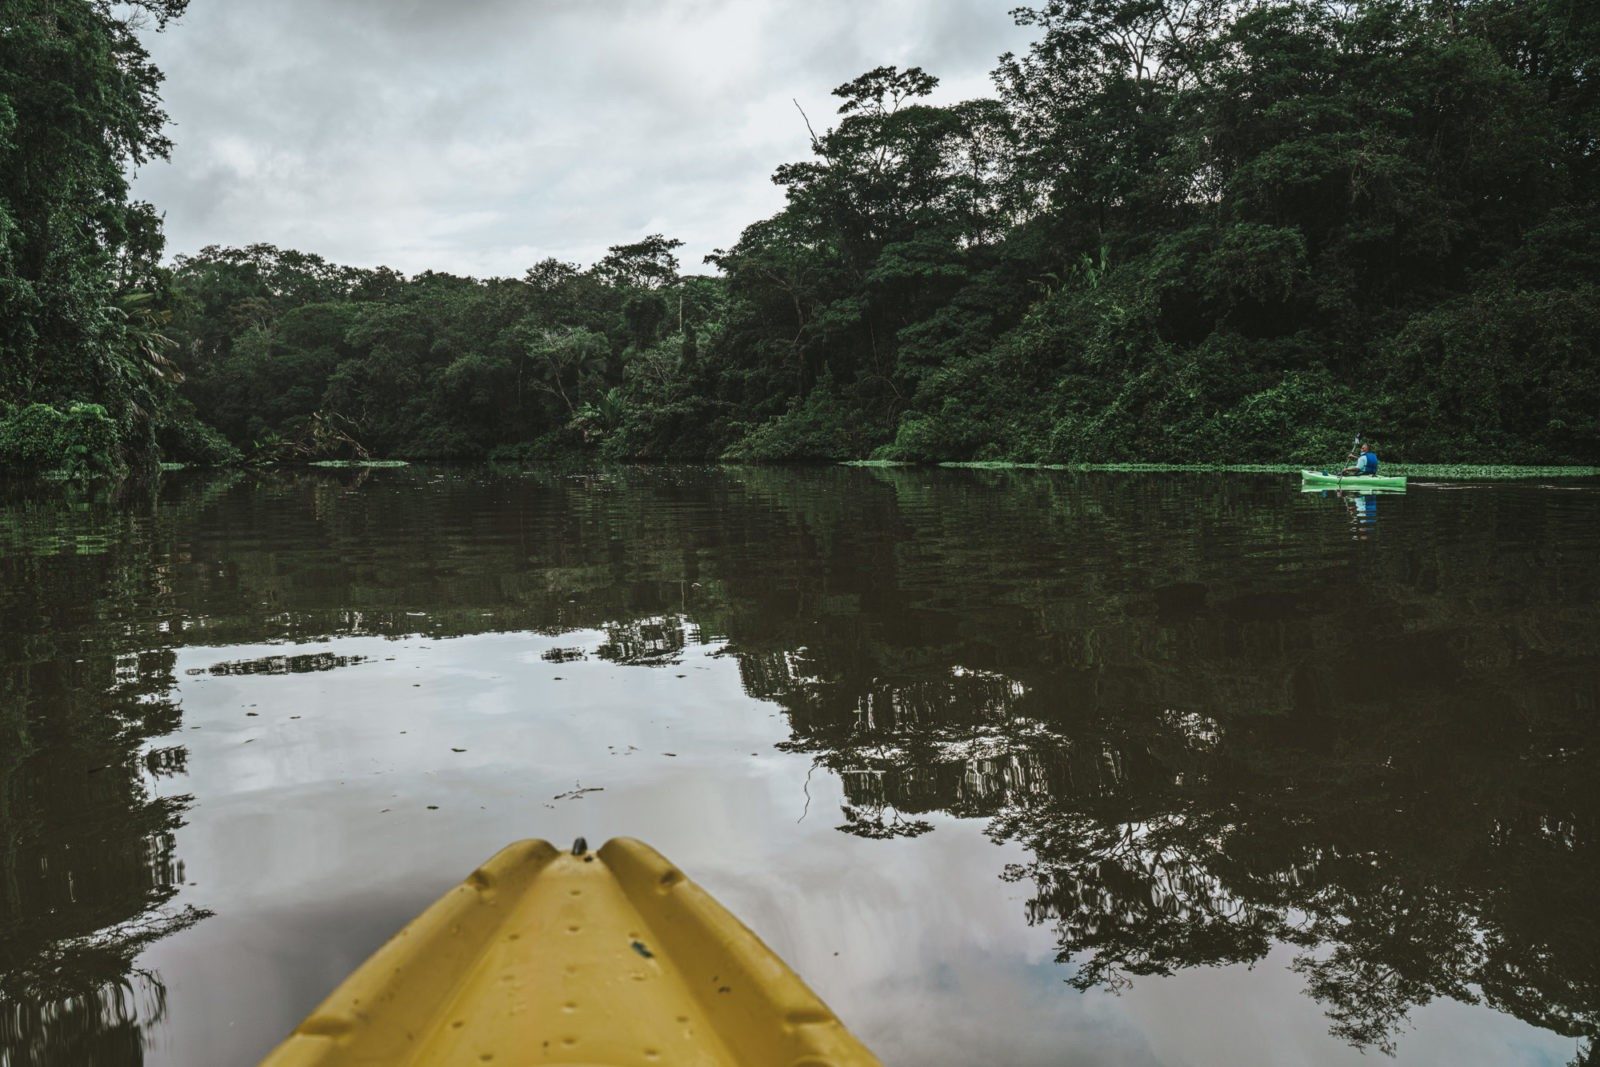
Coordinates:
column 1209, row 229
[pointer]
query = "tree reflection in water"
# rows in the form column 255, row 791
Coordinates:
column 1385, row 769
column 1444, row 852
column 87, row 868
column 1214, row 724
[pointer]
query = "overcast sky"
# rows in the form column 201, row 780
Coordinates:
column 480, row 136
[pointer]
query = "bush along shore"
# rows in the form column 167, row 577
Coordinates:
column 1276, row 225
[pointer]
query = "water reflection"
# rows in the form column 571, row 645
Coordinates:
column 1360, row 504
column 1216, row 729
column 86, row 850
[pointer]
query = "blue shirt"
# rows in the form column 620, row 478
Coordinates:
column 1368, row 463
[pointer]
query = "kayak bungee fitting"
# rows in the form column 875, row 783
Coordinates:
column 1352, row 481
column 551, row 957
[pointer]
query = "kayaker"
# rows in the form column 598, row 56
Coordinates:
column 1366, row 464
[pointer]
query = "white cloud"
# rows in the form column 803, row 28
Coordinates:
column 479, row 136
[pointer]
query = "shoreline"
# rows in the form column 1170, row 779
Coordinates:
column 1434, row 471
column 1447, row 471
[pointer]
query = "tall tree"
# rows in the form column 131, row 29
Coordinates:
column 78, row 108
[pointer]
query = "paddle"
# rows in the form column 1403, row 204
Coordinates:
column 1355, row 446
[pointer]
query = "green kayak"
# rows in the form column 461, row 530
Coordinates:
column 1352, row 481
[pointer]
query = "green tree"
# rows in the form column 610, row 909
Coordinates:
column 78, row 108
column 1179, row 229
column 647, row 264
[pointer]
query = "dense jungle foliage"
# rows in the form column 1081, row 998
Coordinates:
column 1181, row 230
column 86, row 375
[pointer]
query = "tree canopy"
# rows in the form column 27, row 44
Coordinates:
column 1180, row 228
column 81, row 290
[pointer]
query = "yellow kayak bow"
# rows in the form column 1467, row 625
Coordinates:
column 564, row 958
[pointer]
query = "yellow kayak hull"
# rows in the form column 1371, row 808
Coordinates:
column 563, row 958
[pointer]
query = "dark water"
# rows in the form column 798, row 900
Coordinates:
column 1014, row 768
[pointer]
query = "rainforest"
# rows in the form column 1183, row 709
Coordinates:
column 1199, row 231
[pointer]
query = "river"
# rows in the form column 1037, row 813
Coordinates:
column 1012, row 767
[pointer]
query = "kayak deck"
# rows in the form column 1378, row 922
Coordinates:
column 552, row 957
column 1356, row 481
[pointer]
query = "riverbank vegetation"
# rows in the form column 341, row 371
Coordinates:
column 1178, row 233
column 87, row 379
